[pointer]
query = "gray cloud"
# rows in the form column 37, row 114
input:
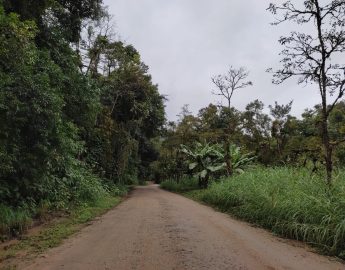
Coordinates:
column 185, row 42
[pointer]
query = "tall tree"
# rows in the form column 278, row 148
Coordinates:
column 281, row 116
column 312, row 55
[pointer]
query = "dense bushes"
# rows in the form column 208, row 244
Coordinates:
column 88, row 192
column 288, row 201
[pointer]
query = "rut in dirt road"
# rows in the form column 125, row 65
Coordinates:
column 155, row 229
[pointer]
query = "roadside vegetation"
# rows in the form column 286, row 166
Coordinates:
column 288, row 201
column 262, row 164
column 81, row 120
column 78, row 113
column 52, row 233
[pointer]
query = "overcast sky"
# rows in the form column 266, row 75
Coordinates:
column 186, row 42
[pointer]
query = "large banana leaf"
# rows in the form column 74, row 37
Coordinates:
column 193, row 165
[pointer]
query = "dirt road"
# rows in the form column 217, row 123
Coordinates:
column 155, row 229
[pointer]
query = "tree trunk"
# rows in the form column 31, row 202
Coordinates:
column 323, row 91
column 228, row 159
column 205, row 186
column 327, row 148
column 200, row 182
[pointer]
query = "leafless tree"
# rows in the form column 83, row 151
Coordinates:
column 228, row 83
column 312, row 55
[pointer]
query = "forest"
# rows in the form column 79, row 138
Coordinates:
column 78, row 110
column 82, row 121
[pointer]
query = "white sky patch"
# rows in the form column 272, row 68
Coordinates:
column 186, row 42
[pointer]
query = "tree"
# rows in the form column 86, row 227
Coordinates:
column 281, row 116
column 312, row 56
column 255, row 123
column 66, row 15
column 133, row 114
column 228, row 83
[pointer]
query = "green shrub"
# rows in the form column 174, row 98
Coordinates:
column 89, row 189
column 80, row 189
column 118, row 190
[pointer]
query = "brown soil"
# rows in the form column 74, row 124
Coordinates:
column 155, row 229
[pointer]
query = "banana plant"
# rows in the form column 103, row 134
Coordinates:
column 234, row 160
column 205, row 159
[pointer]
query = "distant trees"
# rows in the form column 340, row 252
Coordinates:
column 228, row 83
column 280, row 114
column 313, row 55
column 276, row 138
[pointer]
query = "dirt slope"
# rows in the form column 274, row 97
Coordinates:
column 155, row 229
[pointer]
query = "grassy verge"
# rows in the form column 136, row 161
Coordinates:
column 287, row 201
column 52, row 234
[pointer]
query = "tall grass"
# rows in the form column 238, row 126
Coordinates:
column 288, row 201
column 13, row 222
column 185, row 184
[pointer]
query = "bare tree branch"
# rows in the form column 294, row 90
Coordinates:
column 228, row 83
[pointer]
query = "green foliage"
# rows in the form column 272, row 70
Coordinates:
column 287, row 201
column 275, row 140
column 52, row 234
column 239, row 161
column 32, row 131
column 204, row 160
column 71, row 133
column 87, row 187
column 68, row 15
column 233, row 157
column 13, row 222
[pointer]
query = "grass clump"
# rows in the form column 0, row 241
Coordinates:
column 13, row 222
column 185, row 184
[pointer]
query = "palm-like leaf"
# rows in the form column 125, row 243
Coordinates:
column 206, row 159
